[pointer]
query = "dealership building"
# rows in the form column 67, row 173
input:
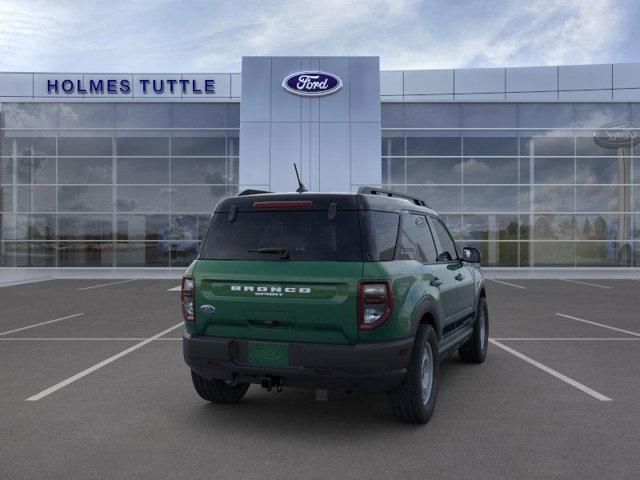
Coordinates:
column 535, row 166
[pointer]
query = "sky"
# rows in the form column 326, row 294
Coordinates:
column 212, row 36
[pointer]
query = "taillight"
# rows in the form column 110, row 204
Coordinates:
column 375, row 303
column 187, row 298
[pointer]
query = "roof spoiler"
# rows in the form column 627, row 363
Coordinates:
column 251, row 191
column 391, row 193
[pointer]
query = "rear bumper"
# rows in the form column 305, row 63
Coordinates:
column 376, row 367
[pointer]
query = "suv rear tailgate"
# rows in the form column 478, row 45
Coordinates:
column 291, row 301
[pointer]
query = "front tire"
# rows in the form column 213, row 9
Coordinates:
column 475, row 349
column 415, row 399
column 218, row 391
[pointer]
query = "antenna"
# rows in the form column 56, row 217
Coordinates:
column 301, row 188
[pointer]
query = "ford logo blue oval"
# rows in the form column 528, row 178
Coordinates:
column 312, row 83
column 207, row 308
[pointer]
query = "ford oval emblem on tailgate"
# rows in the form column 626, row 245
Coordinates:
column 207, row 308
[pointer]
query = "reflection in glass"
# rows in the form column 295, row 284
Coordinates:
column 30, row 146
column 434, row 170
column 200, row 170
column 554, row 227
column 85, row 227
column 183, row 253
column 85, row 170
column 20, row 254
column 393, row 170
column 553, row 199
column 433, row 143
column 553, row 254
column 199, row 115
column 601, row 198
column 35, row 170
column 33, row 227
column 85, row 115
column 602, row 226
column 211, row 144
column 132, row 170
column 497, row 254
column 603, row 254
column 85, row 199
column 392, row 143
column 37, row 198
column 490, row 115
column 79, row 254
column 553, row 170
column 433, row 115
column 30, row 115
column 142, row 254
column 143, row 199
column 603, row 170
column 142, row 227
column 196, row 199
column 142, row 146
column 545, row 115
column 90, row 146
column 490, row 199
column 441, row 199
column 489, row 144
column 490, row 170
column 142, row 115
column 490, row 227
column 392, row 115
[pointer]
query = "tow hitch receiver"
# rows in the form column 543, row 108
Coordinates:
column 269, row 382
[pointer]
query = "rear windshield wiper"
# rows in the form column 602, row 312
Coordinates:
column 284, row 254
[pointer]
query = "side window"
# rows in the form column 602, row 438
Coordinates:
column 424, row 241
column 447, row 251
column 381, row 231
column 407, row 250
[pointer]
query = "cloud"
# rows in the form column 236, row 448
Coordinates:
column 167, row 36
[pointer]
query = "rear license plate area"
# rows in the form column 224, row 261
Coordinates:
column 271, row 354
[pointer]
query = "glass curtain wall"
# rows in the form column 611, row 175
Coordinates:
column 113, row 184
column 525, row 183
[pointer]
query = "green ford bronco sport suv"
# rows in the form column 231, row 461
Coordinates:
column 363, row 292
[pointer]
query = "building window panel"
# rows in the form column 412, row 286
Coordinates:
column 546, row 144
column 497, row 254
column 93, row 146
column 89, row 254
column 490, row 199
column 434, row 170
column 32, row 227
column 554, row 227
column 147, row 146
column 392, row 115
column 132, row 170
column 35, row 170
column 85, row 199
column 85, row 227
column 39, row 146
column 490, row 170
column 30, row 115
column 143, row 198
column 596, row 115
column 142, row 254
column 199, row 115
column 141, row 115
column 142, row 227
column 196, row 199
column 553, row 254
column 80, row 115
column 553, row 170
column 441, row 199
column 25, row 254
column 433, row 143
column 393, row 170
column 554, row 199
column 490, row 144
column 200, row 170
column 490, row 227
column 603, row 170
column 432, row 115
column 545, row 115
column 490, row 115
column 392, row 143
column 85, row 170
column 601, row 198
column 38, row 198
column 603, row 254
column 210, row 144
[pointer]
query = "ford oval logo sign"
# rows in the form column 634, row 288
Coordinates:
column 208, row 308
column 312, row 83
column 617, row 135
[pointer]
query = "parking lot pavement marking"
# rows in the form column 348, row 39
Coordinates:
column 97, row 339
column 629, row 332
column 507, row 283
column 584, row 283
column 175, row 289
column 107, row 284
column 551, row 371
column 97, row 366
column 41, row 323
column 570, row 339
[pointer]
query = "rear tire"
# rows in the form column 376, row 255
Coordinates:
column 415, row 399
column 218, row 391
column 475, row 349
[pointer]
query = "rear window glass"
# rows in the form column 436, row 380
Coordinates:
column 304, row 235
column 381, row 232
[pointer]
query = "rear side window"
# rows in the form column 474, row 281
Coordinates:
column 381, row 232
column 407, row 244
column 304, row 235
column 424, row 241
column 447, row 251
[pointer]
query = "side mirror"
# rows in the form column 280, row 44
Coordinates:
column 471, row 255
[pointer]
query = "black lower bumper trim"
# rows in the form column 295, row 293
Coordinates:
column 375, row 367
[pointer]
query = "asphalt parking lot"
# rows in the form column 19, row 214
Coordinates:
column 93, row 385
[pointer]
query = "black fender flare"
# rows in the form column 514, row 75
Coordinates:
column 427, row 305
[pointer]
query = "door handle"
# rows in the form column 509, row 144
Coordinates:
column 459, row 277
column 436, row 282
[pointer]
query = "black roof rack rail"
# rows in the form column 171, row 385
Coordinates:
column 250, row 191
column 391, row 193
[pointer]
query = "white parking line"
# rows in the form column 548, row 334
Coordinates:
column 583, row 283
column 552, row 339
column 507, row 283
column 41, row 323
column 629, row 332
column 85, row 339
column 551, row 371
column 107, row 284
column 175, row 289
column 97, row 366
